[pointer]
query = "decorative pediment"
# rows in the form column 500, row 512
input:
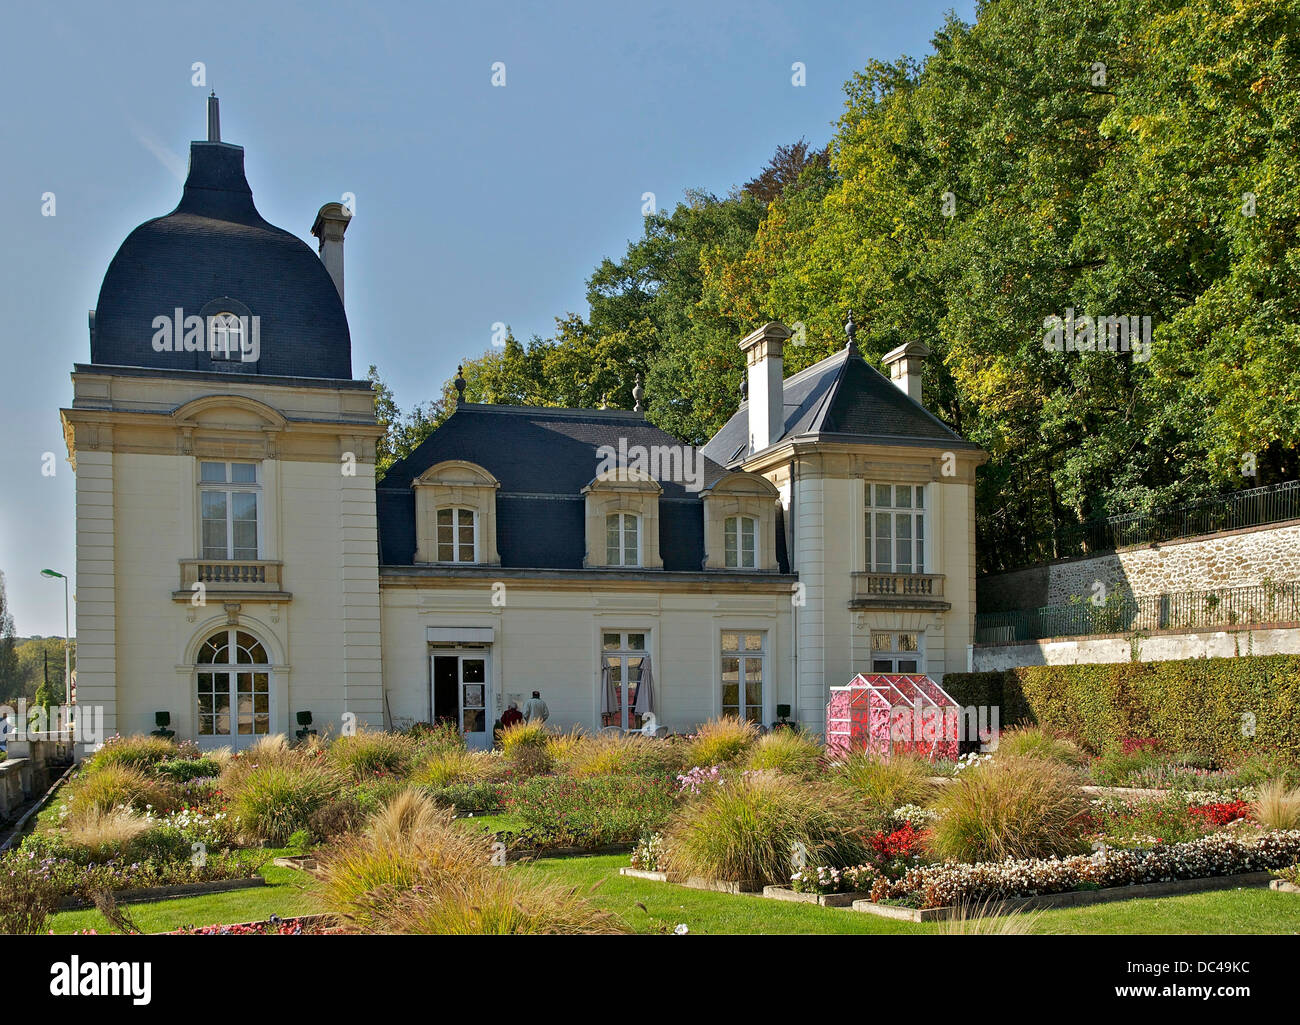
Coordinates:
column 457, row 473
column 228, row 412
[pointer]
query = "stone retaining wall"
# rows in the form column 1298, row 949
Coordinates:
column 1158, row 647
column 1241, row 558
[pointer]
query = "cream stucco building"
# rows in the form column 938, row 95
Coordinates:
column 238, row 564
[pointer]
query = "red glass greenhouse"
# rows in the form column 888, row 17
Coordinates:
column 888, row 712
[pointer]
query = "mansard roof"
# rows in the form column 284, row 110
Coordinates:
column 543, row 458
column 841, row 398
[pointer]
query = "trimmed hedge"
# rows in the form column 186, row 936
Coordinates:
column 1194, row 704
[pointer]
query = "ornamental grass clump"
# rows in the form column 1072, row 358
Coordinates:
column 886, row 783
column 526, row 746
column 750, row 828
column 1277, row 806
column 105, row 834
column 414, row 870
column 793, row 752
column 1036, row 742
column 272, row 802
column 456, row 765
column 720, row 741
column 101, row 789
column 135, row 752
column 1010, row 808
column 612, row 753
column 373, row 752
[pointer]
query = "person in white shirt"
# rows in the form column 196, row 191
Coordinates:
column 535, row 709
column 6, row 728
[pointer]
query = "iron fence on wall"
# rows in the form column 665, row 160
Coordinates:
column 1187, row 610
column 1254, row 507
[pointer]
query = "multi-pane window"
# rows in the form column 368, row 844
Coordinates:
column 896, row 528
column 623, row 656
column 742, row 674
column 225, row 336
column 895, row 652
column 622, row 540
column 233, row 685
column 228, row 497
column 740, row 542
column 457, row 530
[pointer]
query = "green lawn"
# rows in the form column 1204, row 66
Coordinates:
column 650, row 907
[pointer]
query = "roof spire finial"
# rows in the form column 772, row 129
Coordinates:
column 460, row 384
column 214, row 118
column 851, row 330
column 638, row 393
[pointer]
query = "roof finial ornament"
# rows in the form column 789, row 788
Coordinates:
column 460, row 384
column 851, row 330
column 214, row 118
column 638, row 393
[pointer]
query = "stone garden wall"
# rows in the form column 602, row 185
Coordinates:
column 1241, row 558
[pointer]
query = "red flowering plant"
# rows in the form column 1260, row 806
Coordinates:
column 1220, row 813
column 893, row 852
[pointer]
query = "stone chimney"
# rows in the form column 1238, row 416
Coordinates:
column 331, row 223
column 765, row 375
column 904, row 363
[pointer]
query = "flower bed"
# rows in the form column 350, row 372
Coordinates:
column 1215, row 855
column 307, row 925
column 598, row 811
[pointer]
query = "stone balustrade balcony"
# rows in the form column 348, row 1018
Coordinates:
column 898, row 591
column 232, row 579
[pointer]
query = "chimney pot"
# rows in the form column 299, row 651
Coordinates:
column 331, row 222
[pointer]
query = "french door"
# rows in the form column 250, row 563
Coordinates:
column 459, row 693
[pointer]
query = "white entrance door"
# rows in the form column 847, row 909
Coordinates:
column 460, row 690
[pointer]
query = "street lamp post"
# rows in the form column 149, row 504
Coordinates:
column 67, row 645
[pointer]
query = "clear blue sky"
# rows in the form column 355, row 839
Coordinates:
column 474, row 204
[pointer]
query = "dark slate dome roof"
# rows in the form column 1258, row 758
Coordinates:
column 216, row 246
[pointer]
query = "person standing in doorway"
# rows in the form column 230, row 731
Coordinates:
column 535, row 709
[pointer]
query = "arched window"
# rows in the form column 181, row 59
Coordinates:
column 225, row 336
column 457, row 534
column 622, row 539
column 740, row 542
column 233, row 683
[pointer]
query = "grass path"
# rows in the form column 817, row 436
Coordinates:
column 650, row 907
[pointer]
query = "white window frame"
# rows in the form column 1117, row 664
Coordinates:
column 918, row 517
column 897, row 653
column 225, row 325
column 232, row 669
column 733, row 529
column 229, row 487
column 623, row 516
column 741, row 654
column 456, row 544
column 624, row 652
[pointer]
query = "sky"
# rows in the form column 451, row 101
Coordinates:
column 474, row 204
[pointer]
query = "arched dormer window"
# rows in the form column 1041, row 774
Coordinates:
column 740, row 523
column 457, row 540
column 456, row 515
column 225, row 336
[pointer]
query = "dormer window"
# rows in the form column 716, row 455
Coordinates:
column 457, row 534
column 225, row 336
column 622, row 540
column 740, row 542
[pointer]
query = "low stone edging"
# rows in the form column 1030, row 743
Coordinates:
column 738, row 886
column 1282, row 886
column 149, row 894
column 1074, row 898
column 826, row 900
